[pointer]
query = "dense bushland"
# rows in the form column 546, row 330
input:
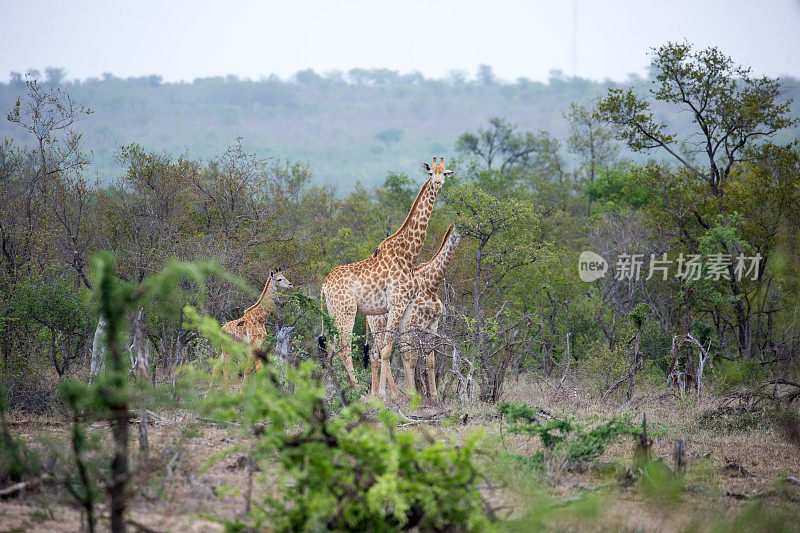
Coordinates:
column 526, row 202
column 171, row 238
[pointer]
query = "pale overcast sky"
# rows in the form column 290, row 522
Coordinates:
column 183, row 40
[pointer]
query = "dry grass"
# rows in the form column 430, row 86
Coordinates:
column 727, row 471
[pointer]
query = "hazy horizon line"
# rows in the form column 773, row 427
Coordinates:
column 455, row 76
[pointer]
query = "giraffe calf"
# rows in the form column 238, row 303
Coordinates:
column 250, row 327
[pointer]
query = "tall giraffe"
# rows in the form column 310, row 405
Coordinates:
column 426, row 311
column 383, row 284
column 250, row 327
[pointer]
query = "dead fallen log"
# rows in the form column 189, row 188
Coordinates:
column 413, row 419
column 745, row 496
column 22, row 485
column 426, row 416
column 141, row 527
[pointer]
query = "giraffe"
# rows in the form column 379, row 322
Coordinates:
column 250, row 327
column 383, row 284
column 426, row 311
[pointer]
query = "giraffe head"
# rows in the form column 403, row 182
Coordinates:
column 437, row 172
column 280, row 280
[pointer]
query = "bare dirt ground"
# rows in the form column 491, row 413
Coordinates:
column 734, row 464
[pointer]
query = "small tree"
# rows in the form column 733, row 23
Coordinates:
column 109, row 397
column 590, row 140
column 60, row 313
column 30, row 182
column 503, row 236
column 499, row 143
column 49, row 116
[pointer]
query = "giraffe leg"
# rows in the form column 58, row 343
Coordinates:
column 390, row 378
column 345, row 314
column 409, row 357
column 253, row 363
column 398, row 317
column 377, row 324
column 374, row 369
column 257, row 339
column 386, row 351
column 373, row 326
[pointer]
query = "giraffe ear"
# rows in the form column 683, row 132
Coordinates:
column 271, row 273
column 426, row 167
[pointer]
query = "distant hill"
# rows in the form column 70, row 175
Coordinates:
column 354, row 128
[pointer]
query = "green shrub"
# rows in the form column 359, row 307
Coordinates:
column 347, row 471
column 729, row 374
column 602, row 366
column 576, row 441
column 731, row 419
column 16, row 460
column 655, row 345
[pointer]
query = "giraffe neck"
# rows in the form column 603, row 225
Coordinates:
column 263, row 307
column 432, row 272
column 408, row 240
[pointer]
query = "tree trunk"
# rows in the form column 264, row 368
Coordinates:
column 140, row 348
column 634, row 365
column 54, row 354
column 679, row 455
column 282, row 339
column 119, row 430
column 119, row 469
column 141, row 354
column 98, row 364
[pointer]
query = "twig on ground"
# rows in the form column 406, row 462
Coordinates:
column 745, row 496
column 415, row 422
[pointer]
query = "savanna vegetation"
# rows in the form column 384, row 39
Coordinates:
column 663, row 395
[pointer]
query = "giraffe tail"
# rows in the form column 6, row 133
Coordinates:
column 365, row 356
column 322, row 346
